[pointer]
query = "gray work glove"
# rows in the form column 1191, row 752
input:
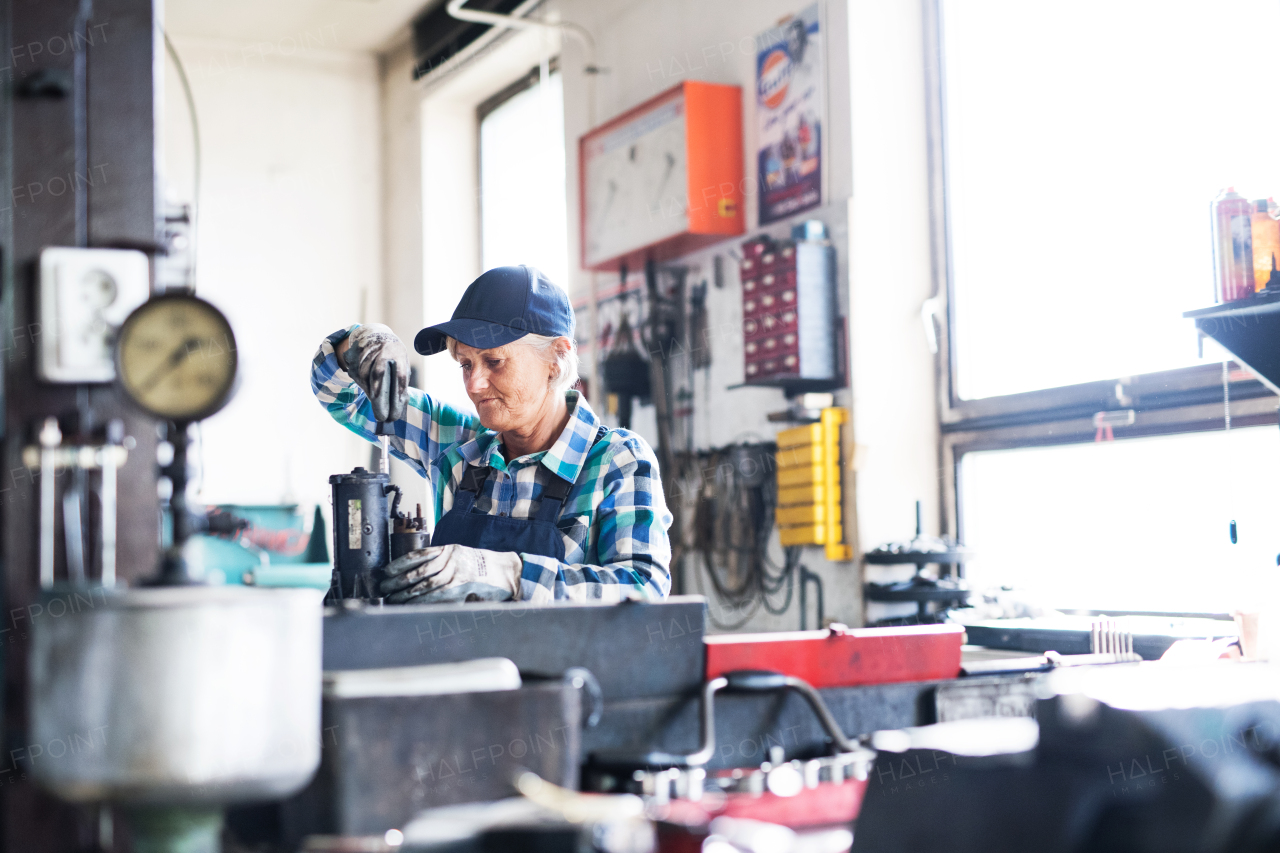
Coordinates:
column 366, row 360
column 452, row 573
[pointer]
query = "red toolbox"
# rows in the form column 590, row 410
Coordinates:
column 843, row 657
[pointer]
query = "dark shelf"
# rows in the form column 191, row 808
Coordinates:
column 1258, row 301
column 792, row 385
column 916, row 558
column 915, row 592
column 1250, row 330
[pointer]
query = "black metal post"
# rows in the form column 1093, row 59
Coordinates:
column 173, row 566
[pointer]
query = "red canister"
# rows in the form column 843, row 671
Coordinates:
column 1231, row 215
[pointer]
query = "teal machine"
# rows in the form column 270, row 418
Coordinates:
column 275, row 549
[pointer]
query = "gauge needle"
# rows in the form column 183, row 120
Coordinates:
column 170, row 364
column 671, row 165
column 608, row 202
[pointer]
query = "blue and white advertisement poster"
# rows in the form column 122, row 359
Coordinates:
column 790, row 107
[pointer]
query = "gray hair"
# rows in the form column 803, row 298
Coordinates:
column 544, row 345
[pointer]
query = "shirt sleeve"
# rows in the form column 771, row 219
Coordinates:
column 428, row 428
column 631, row 523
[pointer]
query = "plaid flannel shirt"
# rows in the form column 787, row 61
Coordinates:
column 614, row 520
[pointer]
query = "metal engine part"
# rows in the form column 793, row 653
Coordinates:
column 176, row 695
column 409, row 533
column 361, row 532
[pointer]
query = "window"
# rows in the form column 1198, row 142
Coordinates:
column 1140, row 524
column 1084, row 142
column 523, row 214
column 1074, row 151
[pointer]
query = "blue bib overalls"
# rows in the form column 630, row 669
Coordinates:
column 538, row 535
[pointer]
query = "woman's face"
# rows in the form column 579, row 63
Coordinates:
column 510, row 386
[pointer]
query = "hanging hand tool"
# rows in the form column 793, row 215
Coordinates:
column 384, row 413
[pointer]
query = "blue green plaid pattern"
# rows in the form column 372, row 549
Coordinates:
column 614, row 520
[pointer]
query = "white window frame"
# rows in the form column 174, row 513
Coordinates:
column 1184, row 400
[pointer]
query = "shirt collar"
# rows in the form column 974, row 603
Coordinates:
column 565, row 458
column 482, row 451
column 567, row 455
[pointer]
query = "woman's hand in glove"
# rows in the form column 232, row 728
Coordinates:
column 452, row 573
column 364, row 355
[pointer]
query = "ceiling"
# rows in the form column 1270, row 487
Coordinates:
column 360, row 25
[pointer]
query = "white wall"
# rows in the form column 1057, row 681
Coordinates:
column 895, row 419
column 403, row 224
column 648, row 46
column 290, row 247
column 876, row 211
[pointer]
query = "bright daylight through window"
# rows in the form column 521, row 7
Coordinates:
column 1140, row 524
column 1083, row 146
column 1084, row 142
column 522, row 197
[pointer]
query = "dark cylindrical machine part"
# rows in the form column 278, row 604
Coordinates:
column 403, row 543
column 408, row 533
column 361, row 531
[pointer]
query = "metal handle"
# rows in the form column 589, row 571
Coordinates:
column 750, row 680
column 49, row 456
column 755, row 681
column 50, row 438
column 382, row 426
column 842, row 743
column 585, row 680
column 385, row 402
column 108, row 501
column 73, row 530
column 743, row 681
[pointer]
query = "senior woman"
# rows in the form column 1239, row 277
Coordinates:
column 535, row 499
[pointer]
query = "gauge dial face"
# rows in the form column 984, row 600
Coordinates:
column 176, row 358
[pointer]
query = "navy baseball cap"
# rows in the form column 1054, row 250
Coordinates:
column 500, row 307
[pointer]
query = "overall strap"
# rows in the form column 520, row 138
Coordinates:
column 553, row 496
column 473, row 478
column 469, row 487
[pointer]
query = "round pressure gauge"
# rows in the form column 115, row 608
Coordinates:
column 176, row 357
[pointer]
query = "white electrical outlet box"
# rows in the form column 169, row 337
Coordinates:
column 84, row 296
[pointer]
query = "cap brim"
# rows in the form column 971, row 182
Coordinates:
column 480, row 334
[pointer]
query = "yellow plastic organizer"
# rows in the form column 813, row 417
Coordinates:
column 809, row 485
